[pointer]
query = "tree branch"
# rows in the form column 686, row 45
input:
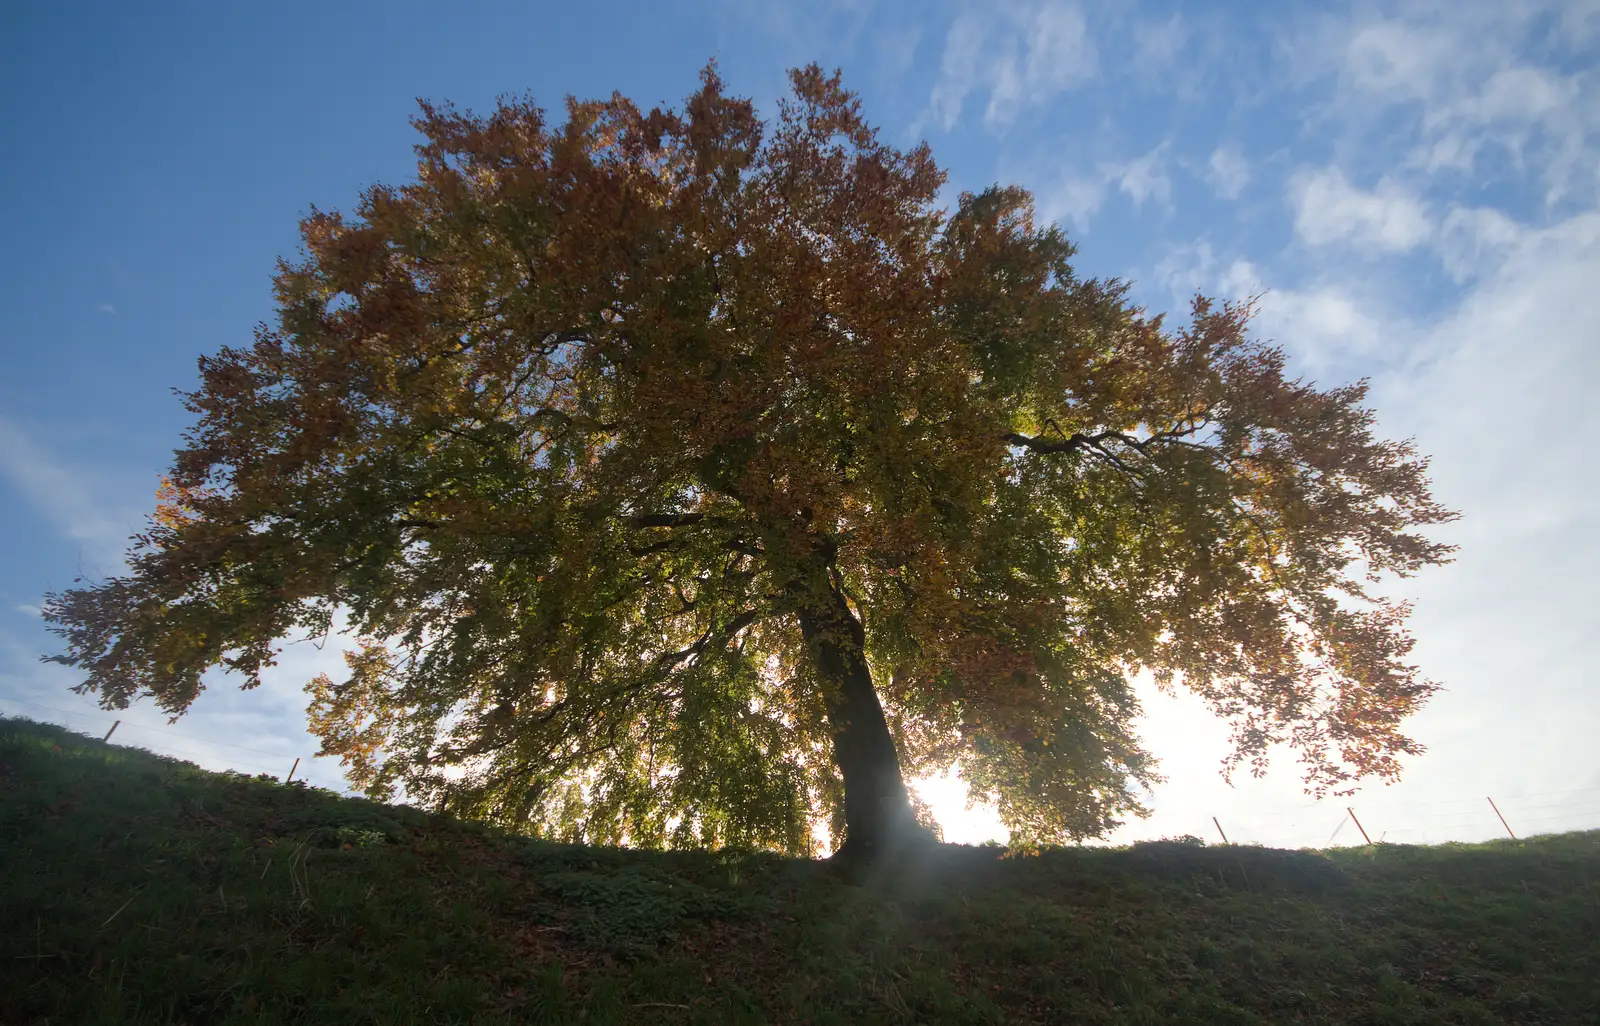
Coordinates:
column 1077, row 440
column 571, row 420
column 643, row 520
column 654, row 547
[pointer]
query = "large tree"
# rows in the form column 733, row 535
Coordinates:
column 690, row 479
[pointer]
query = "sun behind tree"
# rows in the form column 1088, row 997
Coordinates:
column 689, row 479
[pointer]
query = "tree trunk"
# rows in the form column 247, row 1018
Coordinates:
column 877, row 813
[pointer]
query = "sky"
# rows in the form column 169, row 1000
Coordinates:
column 1413, row 190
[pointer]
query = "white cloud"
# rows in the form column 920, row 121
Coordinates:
column 28, row 609
column 1075, row 196
column 1533, row 115
column 959, row 69
column 896, row 52
column 1521, row 343
column 260, row 730
column 1059, row 50
column 1332, row 330
column 1143, row 178
column 1501, row 394
column 1580, row 23
column 1227, row 172
column 1159, row 42
column 257, row 731
column 1495, row 382
column 1395, row 60
column 1475, row 240
column 105, row 308
column 1241, row 279
column 1520, row 93
column 1482, row 79
column 77, row 511
column 1074, row 199
column 1328, row 328
column 1329, row 209
column 1023, row 56
column 1496, row 388
column 1187, row 269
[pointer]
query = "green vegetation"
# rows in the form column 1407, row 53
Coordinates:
column 694, row 477
column 142, row 890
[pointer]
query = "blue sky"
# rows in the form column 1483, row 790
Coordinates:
column 1414, row 186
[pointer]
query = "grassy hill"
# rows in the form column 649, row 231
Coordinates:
column 137, row 889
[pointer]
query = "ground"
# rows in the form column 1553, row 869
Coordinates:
column 137, row 889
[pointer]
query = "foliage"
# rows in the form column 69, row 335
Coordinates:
column 140, row 890
column 632, row 445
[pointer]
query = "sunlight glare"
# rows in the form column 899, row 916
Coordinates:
column 946, row 795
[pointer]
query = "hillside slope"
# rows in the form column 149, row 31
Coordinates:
column 136, row 889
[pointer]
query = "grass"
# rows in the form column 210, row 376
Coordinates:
column 138, row 889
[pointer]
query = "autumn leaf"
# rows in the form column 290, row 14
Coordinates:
column 689, row 479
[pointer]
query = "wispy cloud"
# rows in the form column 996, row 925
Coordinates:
column 1506, row 628
column 1330, row 327
column 1020, row 56
column 1072, row 199
column 960, row 69
column 1328, row 209
column 63, row 495
column 1227, row 172
column 1076, row 195
column 257, row 731
column 1472, row 85
column 1473, row 241
column 1143, row 178
column 260, row 730
column 1390, row 58
column 1509, row 626
column 1159, row 42
column 896, row 51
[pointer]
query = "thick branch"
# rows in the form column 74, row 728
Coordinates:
column 571, row 419
column 1077, row 440
column 643, row 520
column 1096, row 443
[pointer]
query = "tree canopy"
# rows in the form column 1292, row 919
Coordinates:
column 689, row 479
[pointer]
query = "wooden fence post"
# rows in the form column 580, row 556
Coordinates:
column 1357, row 822
column 1503, row 822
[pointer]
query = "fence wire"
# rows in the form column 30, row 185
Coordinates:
column 1430, row 822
